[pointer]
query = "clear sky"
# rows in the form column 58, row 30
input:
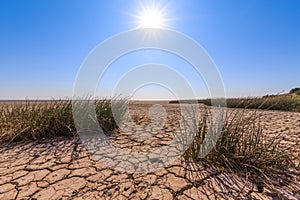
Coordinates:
column 255, row 44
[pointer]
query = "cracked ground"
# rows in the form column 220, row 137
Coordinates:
column 62, row 168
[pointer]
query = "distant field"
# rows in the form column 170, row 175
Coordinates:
column 286, row 102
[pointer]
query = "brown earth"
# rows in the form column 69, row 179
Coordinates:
column 62, row 168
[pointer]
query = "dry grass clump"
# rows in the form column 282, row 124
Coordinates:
column 242, row 147
column 108, row 118
column 34, row 120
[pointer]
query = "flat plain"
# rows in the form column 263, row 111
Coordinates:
column 62, row 168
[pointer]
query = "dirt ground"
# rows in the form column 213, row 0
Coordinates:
column 62, row 168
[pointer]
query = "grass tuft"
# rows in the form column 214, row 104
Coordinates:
column 34, row 120
column 242, row 147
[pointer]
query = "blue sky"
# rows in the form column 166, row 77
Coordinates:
column 255, row 44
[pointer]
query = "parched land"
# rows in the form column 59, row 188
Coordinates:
column 62, row 168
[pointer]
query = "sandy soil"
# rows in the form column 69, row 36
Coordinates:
column 62, row 168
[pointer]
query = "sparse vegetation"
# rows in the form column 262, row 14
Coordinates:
column 242, row 147
column 285, row 102
column 36, row 120
column 280, row 102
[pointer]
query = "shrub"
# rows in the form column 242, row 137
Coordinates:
column 295, row 90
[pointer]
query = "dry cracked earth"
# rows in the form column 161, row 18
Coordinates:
column 62, row 168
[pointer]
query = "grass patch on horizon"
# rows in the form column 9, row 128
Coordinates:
column 288, row 102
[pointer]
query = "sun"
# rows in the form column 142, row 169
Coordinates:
column 151, row 17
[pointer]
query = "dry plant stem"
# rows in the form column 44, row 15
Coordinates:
column 243, row 148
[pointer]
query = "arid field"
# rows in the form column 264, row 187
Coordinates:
column 60, row 167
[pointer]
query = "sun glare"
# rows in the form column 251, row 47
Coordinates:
column 151, row 17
